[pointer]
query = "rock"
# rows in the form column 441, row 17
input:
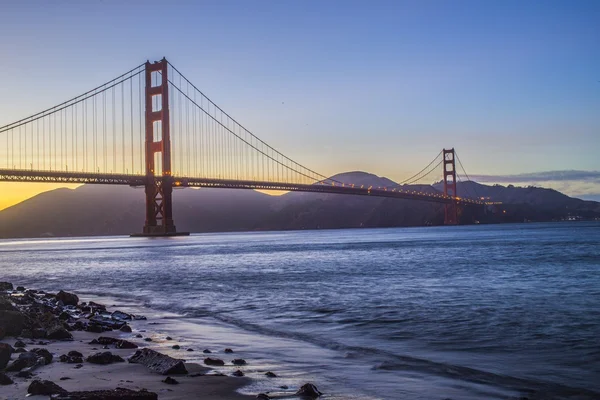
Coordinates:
column 21, row 350
column 58, row 332
column 125, row 328
column 43, row 353
column 262, row 396
column 168, row 338
column 45, row 388
column 170, row 381
column 5, row 352
column 104, row 358
column 68, row 299
column 284, row 387
column 190, row 349
column 270, row 374
column 107, row 322
column 64, row 378
column 64, row 316
column 5, row 379
column 25, row 360
column 214, row 361
column 308, row 391
column 6, row 304
column 71, row 359
column 20, row 288
column 106, row 340
column 175, row 347
column 4, row 286
column 95, row 328
column 74, row 353
column 39, row 333
column 206, row 351
column 148, row 339
column 239, row 361
column 12, row 322
column 24, row 373
column 139, row 335
column 228, row 351
column 116, row 394
column 237, row 373
column 19, row 343
column 124, row 344
column 158, row 362
column 121, row 315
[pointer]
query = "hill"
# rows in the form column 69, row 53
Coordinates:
column 119, row 210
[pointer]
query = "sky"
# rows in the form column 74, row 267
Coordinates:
column 377, row 86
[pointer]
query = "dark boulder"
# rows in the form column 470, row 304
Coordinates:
column 71, row 359
column 19, row 343
column 5, row 379
column 121, row 315
column 25, row 360
column 176, row 347
column 308, row 391
column 58, row 332
column 214, row 361
column 237, row 373
column 20, row 288
column 96, row 306
column 116, row 394
column 43, row 353
column 262, row 396
column 5, row 351
column 4, row 286
column 170, row 381
column 270, row 374
column 104, row 358
column 228, row 351
column 107, row 340
column 158, row 362
column 6, row 304
column 124, row 344
column 239, row 361
column 74, row 353
column 12, row 322
column 44, row 388
column 94, row 328
column 125, row 328
column 206, row 351
column 68, row 299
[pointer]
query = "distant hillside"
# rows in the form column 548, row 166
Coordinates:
column 117, row 210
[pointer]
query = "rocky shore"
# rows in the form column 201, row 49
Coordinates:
column 53, row 345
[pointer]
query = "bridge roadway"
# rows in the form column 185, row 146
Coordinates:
column 15, row 175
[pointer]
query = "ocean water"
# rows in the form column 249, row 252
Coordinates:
column 471, row 312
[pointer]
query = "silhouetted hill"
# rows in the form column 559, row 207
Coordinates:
column 118, row 210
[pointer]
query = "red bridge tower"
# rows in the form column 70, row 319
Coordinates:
column 450, row 210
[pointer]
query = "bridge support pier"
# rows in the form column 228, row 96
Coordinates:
column 159, row 181
column 450, row 210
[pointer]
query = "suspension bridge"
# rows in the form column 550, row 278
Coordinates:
column 152, row 128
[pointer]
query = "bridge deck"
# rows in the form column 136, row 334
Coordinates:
column 8, row 175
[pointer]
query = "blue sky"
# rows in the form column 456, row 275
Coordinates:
column 379, row 86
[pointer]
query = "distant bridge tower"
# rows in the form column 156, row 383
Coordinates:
column 450, row 210
column 159, row 204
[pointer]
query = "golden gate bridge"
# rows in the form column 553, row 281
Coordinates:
column 151, row 127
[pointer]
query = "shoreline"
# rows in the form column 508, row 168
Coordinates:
column 200, row 381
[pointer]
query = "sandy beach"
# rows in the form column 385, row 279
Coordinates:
column 52, row 329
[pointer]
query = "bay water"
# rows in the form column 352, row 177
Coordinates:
column 466, row 312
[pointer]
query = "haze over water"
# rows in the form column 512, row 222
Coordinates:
column 421, row 313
